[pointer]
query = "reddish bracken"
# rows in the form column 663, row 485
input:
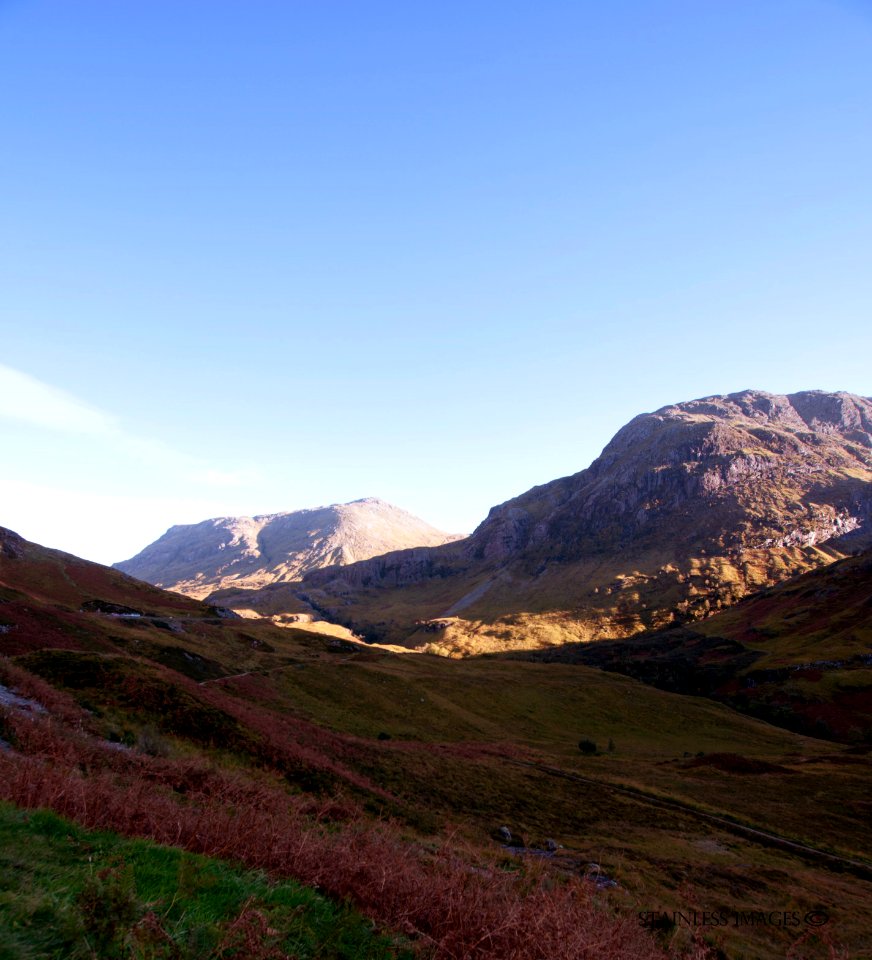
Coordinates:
column 59, row 704
column 292, row 742
column 249, row 936
column 453, row 902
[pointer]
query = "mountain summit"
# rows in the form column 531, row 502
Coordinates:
column 247, row 553
column 687, row 510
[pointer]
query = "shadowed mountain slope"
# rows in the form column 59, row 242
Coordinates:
column 798, row 654
column 687, row 510
column 251, row 552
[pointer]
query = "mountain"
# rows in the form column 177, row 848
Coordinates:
column 245, row 553
column 687, row 510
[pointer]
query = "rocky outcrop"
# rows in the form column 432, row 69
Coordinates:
column 748, row 470
column 11, row 544
column 400, row 568
column 246, row 553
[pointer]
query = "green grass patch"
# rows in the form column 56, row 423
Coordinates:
column 68, row 892
column 545, row 707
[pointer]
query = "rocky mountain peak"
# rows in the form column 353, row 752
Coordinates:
column 810, row 412
column 768, row 456
column 252, row 552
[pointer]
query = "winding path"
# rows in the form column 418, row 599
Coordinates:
column 830, row 860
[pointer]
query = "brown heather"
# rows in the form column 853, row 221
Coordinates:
column 447, row 898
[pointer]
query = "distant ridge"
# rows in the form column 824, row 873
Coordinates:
column 247, row 553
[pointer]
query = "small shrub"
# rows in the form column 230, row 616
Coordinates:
column 107, row 908
column 250, row 936
column 150, row 742
column 587, row 746
column 150, row 941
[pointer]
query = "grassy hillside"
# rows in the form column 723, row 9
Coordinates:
column 798, row 654
column 462, row 738
column 69, row 892
column 386, row 780
column 497, row 609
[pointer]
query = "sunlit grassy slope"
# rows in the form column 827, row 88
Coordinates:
column 598, row 597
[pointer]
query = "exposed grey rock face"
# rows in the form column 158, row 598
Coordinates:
column 251, row 552
column 11, row 544
column 750, row 469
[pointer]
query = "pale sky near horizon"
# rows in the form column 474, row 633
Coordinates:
column 269, row 255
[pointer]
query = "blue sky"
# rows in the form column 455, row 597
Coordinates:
column 267, row 255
